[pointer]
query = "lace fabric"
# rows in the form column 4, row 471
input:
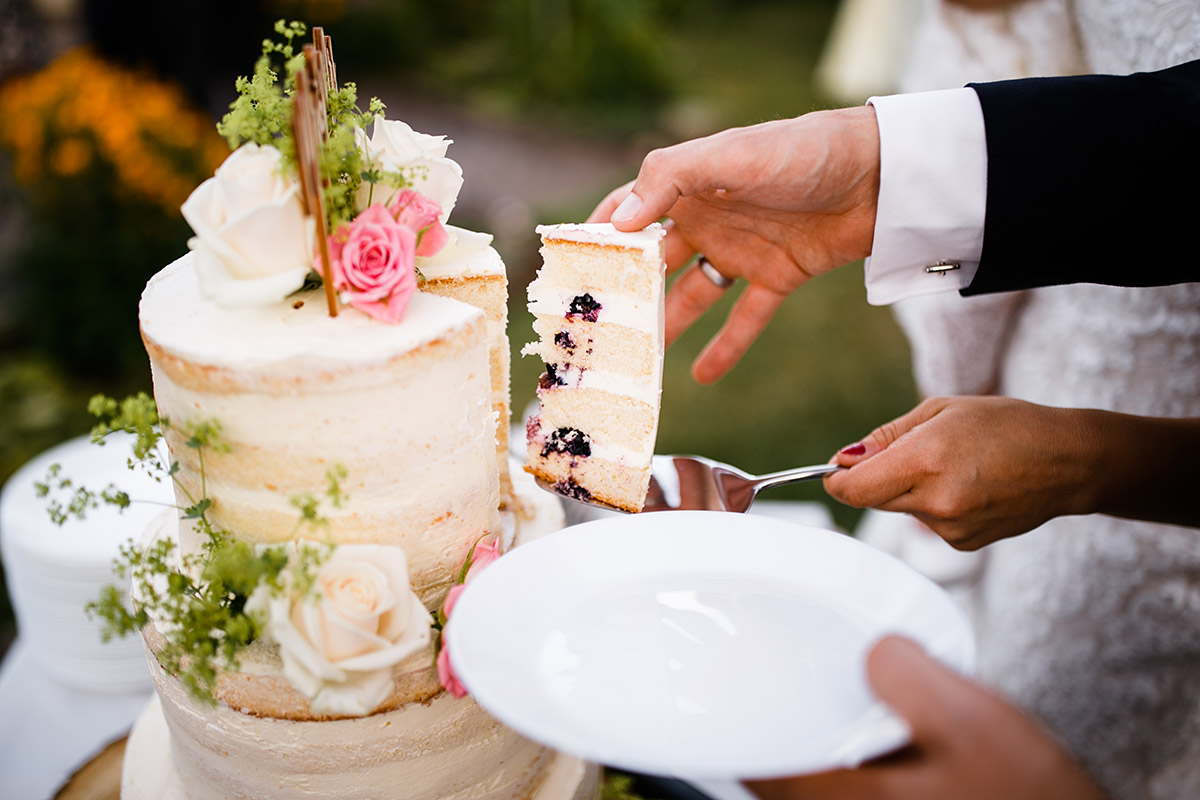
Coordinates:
column 1092, row 624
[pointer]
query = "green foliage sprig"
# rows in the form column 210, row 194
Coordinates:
column 618, row 787
column 262, row 114
column 197, row 600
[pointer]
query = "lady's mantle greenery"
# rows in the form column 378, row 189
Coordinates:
column 262, row 114
column 196, row 600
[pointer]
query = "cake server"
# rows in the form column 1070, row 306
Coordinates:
column 699, row 483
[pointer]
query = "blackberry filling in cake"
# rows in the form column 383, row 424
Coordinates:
column 567, row 440
column 585, row 307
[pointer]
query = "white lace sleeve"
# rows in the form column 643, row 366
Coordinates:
column 957, row 342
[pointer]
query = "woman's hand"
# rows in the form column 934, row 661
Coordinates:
column 965, row 743
column 775, row 204
column 978, row 469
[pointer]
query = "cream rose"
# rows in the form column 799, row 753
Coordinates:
column 253, row 242
column 339, row 646
column 395, row 147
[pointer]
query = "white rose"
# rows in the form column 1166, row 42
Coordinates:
column 396, row 147
column 253, row 241
column 340, row 646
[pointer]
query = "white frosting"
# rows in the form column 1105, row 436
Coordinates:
column 631, row 311
column 53, row 572
column 620, row 454
column 640, row 387
column 173, row 315
column 467, row 254
column 648, row 240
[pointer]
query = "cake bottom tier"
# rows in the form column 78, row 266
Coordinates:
column 373, row 757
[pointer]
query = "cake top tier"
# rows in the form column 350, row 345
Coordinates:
column 175, row 317
column 648, row 240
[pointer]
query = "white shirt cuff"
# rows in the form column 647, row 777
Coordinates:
column 932, row 193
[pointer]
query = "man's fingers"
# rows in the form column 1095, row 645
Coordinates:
column 747, row 319
column 678, row 251
column 666, row 175
column 603, row 212
column 690, row 296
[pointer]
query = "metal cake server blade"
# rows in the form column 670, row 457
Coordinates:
column 699, row 483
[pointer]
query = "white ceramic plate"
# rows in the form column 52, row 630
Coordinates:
column 697, row 644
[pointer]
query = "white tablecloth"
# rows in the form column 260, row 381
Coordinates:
column 48, row 730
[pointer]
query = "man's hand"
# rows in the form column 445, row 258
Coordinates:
column 776, row 204
column 966, row 743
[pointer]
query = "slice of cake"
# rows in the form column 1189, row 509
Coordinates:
column 598, row 307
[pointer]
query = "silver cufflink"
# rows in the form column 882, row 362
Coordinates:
column 942, row 267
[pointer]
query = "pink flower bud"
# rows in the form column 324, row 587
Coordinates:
column 446, row 674
column 421, row 214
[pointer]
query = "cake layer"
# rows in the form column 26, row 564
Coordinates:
column 406, row 410
column 149, row 772
column 258, row 688
column 619, row 428
column 594, row 345
column 619, row 485
column 443, row 749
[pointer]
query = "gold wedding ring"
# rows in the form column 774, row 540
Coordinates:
column 709, row 271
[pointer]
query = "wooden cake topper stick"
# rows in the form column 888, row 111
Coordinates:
column 324, row 47
column 310, row 127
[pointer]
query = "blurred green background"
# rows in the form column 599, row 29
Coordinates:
column 551, row 102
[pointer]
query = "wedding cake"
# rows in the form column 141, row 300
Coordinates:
column 340, row 467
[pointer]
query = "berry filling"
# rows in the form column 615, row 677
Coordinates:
column 550, row 378
column 563, row 339
column 533, row 426
column 567, row 440
column 567, row 487
column 585, row 307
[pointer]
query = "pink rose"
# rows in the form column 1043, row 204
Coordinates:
column 373, row 263
column 451, row 599
column 482, row 555
column 446, row 674
column 421, row 214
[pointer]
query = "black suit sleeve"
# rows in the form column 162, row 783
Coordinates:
column 1091, row 179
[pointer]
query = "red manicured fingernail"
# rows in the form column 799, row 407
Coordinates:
column 856, row 449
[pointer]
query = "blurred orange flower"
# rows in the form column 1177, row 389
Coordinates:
column 81, row 111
